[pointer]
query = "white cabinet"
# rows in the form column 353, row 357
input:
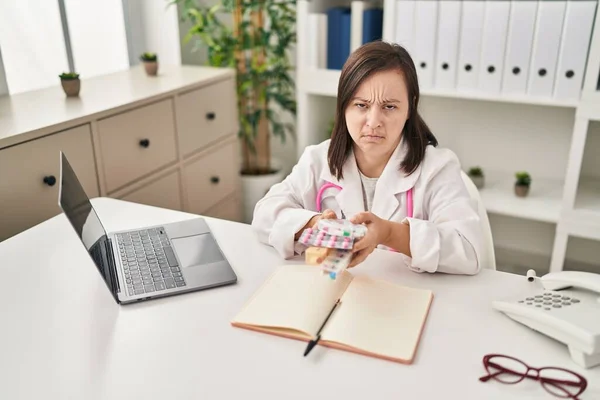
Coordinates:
column 164, row 192
column 167, row 141
column 205, row 116
column 136, row 143
column 211, row 178
column 29, row 175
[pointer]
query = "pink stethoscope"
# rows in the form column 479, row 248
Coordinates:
column 329, row 185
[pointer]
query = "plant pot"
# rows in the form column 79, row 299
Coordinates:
column 521, row 190
column 254, row 188
column 479, row 181
column 71, row 87
column 151, row 67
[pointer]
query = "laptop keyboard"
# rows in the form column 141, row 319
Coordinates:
column 149, row 263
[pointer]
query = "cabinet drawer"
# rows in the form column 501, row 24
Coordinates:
column 25, row 199
column 136, row 143
column 212, row 178
column 163, row 192
column 230, row 209
column 206, row 115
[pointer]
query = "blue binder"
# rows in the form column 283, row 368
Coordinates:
column 372, row 25
column 338, row 36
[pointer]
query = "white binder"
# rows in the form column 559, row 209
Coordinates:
column 471, row 30
column 519, row 45
column 425, row 34
column 446, row 58
column 546, row 43
column 317, row 40
column 575, row 41
column 405, row 25
column 493, row 45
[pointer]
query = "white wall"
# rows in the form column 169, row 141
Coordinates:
column 32, row 44
column 3, row 85
column 98, row 39
column 154, row 27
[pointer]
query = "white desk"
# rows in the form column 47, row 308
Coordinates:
column 63, row 336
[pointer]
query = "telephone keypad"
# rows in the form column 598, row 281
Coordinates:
column 549, row 301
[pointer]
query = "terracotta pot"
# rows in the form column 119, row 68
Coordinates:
column 151, row 67
column 71, row 87
column 521, row 190
column 479, row 181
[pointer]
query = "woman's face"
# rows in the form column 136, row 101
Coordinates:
column 376, row 115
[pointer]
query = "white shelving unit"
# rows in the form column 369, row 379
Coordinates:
column 556, row 140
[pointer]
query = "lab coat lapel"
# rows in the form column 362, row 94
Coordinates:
column 350, row 198
column 393, row 182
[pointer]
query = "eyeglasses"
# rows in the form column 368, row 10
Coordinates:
column 557, row 381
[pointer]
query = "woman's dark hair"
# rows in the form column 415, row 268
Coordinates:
column 367, row 60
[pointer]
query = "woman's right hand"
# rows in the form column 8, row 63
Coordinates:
column 327, row 214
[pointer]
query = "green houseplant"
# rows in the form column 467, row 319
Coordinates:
column 254, row 37
column 522, row 184
column 150, row 61
column 70, row 83
column 476, row 175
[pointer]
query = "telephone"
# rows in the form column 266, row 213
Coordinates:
column 567, row 309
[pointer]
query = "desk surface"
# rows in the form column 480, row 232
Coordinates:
column 63, row 336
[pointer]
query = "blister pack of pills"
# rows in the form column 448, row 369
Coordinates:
column 320, row 238
column 342, row 227
column 336, row 262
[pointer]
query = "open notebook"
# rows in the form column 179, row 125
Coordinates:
column 375, row 318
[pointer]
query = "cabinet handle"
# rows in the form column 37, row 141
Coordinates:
column 50, row 180
column 210, row 115
column 214, row 179
column 145, row 143
column 445, row 66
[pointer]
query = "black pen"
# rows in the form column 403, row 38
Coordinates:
column 314, row 342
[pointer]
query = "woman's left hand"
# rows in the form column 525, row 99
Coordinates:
column 377, row 232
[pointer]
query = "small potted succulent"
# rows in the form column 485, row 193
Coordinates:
column 476, row 175
column 522, row 184
column 150, row 61
column 70, row 83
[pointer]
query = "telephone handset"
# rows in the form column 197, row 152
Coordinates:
column 567, row 309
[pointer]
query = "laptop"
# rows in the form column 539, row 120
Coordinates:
column 148, row 262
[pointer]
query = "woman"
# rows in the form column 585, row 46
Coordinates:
column 380, row 149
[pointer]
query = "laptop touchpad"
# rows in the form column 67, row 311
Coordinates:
column 197, row 250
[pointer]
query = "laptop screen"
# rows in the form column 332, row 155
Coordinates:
column 78, row 209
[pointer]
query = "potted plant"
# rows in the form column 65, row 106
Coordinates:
column 70, row 83
column 150, row 61
column 476, row 175
column 522, row 184
column 256, row 43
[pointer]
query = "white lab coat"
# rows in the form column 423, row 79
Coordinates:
column 445, row 231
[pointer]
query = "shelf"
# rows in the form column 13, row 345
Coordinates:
column 324, row 82
column 589, row 107
column 588, row 195
column 542, row 204
column 584, row 220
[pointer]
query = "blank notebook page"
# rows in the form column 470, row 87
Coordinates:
column 380, row 318
column 295, row 297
